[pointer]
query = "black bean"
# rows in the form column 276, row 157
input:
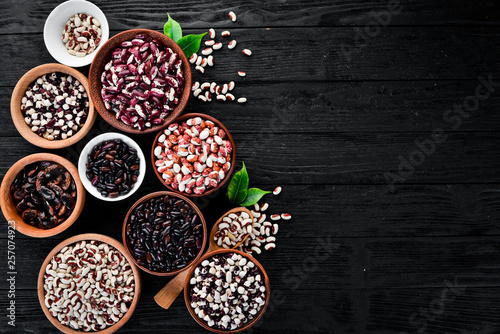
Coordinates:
column 107, row 170
column 166, row 235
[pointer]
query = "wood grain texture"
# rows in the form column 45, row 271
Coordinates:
column 298, row 54
column 28, row 16
column 326, row 128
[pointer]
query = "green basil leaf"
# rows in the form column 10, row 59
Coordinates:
column 172, row 29
column 190, row 44
column 253, row 196
column 238, row 187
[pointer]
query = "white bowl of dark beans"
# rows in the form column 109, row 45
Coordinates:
column 112, row 166
column 91, row 22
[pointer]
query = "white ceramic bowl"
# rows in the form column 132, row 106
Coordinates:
column 52, row 31
column 82, row 161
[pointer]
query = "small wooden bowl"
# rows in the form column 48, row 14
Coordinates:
column 18, row 118
column 9, row 208
column 201, row 321
column 233, row 154
column 70, row 241
column 215, row 227
column 104, row 55
column 161, row 194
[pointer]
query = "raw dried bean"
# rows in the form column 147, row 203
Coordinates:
column 154, row 88
column 204, row 154
column 79, row 29
column 84, row 296
column 44, row 194
column 164, row 234
column 113, row 168
column 227, row 291
column 55, row 106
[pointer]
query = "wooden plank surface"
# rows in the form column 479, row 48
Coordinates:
column 329, row 114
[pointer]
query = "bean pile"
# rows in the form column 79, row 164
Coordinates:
column 232, row 229
column 164, row 234
column 113, row 168
column 193, row 156
column 143, row 82
column 81, row 34
column 88, row 286
column 44, row 194
column 227, row 291
column 55, row 106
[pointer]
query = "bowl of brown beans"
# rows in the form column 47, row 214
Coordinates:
column 51, row 107
column 112, row 166
column 140, row 81
column 42, row 195
column 164, row 233
column 88, row 283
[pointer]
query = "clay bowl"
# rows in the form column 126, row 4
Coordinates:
column 104, row 55
column 70, row 241
column 18, row 118
column 233, row 158
column 9, row 209
column 161, row 194
column 203, row 323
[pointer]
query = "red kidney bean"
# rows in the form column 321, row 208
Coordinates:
column 164, row 234
column 44, row 194
column 113, row 168
column 138, row 70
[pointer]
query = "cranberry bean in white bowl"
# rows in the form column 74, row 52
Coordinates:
column 73, row 41
column 88, row 284
column 194, row 155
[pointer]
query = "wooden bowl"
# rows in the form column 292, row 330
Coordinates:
column 70, row 241
column 18, row 118
column 104, row 55
column 161, row 194
column 9, row 209
column 216, row 225
column 201, row 321
column 233, row 157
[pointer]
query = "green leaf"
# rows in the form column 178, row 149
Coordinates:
column 190, row 44
column 238, row 187
column 172, row 29
column 253, row 196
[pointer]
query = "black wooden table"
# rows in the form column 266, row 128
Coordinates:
column 368, row 114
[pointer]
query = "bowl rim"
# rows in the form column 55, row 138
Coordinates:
column 18, row 117
column 95, row 79
column 104, row 239
column 11, row 214
column 79, row 62
column 187, row 290
column 160, row 194
column 82, row 162
column 233, row 158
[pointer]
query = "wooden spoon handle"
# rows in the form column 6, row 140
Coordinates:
column 168, row 294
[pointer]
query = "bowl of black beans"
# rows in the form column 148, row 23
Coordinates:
column 112, row 166
column 164, row 233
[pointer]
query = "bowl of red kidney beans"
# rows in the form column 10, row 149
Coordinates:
column 138, row 81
